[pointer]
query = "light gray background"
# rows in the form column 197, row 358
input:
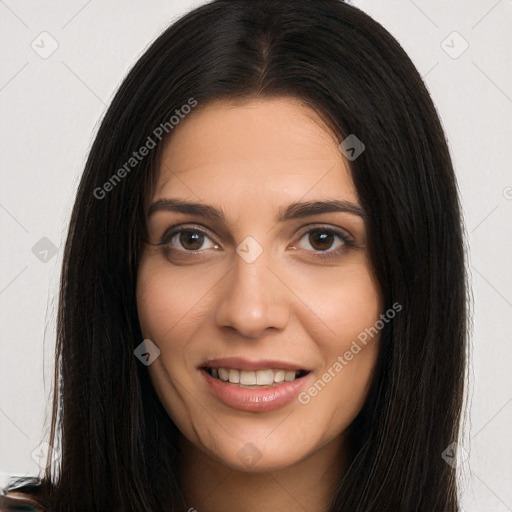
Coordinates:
column 50, row 110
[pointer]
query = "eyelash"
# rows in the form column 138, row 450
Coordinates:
column 348, row 241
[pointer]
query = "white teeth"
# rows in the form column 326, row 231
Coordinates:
column 289, row 375
column 247, row 378
column 234, row 376
column 265, row 377
column 254, row 378
column 279, row 375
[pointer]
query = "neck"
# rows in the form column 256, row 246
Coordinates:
column 208, row 486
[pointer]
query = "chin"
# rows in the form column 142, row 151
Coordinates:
column 251, row 459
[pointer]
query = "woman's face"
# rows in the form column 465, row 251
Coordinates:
column 261, row 274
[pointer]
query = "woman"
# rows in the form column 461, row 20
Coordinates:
column 263, row 294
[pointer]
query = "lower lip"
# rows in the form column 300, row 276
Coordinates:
column 255, row 400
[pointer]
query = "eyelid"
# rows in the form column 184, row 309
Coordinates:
column 343, row 233
column 177, row 228
column 348, row 242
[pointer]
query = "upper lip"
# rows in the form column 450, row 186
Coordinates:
column 247, row 364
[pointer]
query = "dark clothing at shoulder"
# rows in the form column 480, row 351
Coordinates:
column 18, row 502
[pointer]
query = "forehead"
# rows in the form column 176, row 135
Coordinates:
column 255, row 146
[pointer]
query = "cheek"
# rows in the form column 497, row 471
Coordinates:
column 338, row 395
column 170, row 300
column 353, row 304
column 342, row 304
column 349, row 306
column 169, row 308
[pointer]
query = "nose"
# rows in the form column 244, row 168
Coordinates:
column 253, row 299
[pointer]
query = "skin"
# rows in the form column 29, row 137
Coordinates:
column 251, row 159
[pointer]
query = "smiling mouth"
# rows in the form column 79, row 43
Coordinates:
column 255, row 378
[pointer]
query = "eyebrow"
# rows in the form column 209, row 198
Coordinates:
column 295, row 210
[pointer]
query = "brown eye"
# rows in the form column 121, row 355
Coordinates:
column 321, row 240
column 326, row 242
column 191, row 240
